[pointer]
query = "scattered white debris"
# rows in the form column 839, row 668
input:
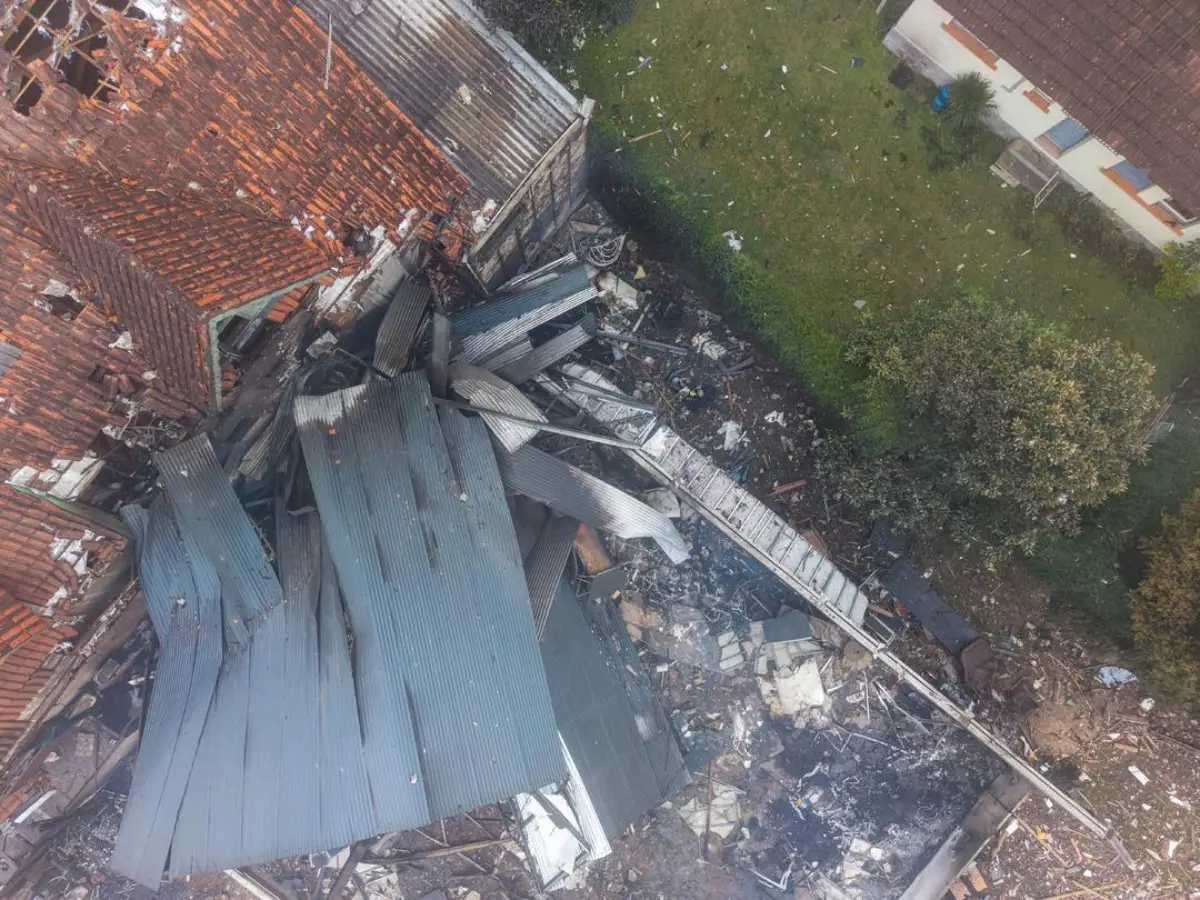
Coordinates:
column 706, row 344
column 793, row 691
column 722, row 816
column 1115, row 676
column 858, row 845
column 774, row 417
column 860, row 304
column 724, row 67
column 1139, row 775
column 1147, row 704
column 767, row 134
column 784, row 68
column 735, row 240
column 123, row 342
column 1182, row 804
column 161, row 10
column 665, row 500
column 483, row 216
column 464, row 94
column 732, row 432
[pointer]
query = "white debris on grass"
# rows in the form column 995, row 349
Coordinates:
column 735, row 240
column 774, row 417
column 1115, row 676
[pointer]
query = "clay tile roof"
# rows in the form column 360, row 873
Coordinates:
column 165, row 265
column 1129, row 70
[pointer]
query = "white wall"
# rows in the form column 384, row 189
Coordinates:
column 919, row 39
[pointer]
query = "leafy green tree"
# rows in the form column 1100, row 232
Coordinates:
column 1166, row 605
column 1179, row 271
column 1011, row 428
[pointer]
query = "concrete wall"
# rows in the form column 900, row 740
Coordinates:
column 919, row 39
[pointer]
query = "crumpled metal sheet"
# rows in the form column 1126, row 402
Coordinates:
column 570, row 491
column 543, row 296
column 545, row 566
column 484, row 390
column 547, row 354
column 183, row 598
column 439, row 606
column 210, row 513
column 399, row 328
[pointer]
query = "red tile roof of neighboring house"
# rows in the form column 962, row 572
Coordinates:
column 1129, row 70
column 166, row 265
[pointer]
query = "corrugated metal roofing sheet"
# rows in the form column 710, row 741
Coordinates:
column 522, row 295
column 545, row 564
column 399, row 329
column 423, row 490
column 550, row 352
column 209, row 512
column 484, row 390
column 573, row 492
column 494, row 324
column 465, row 83
column 626, row 754
column 183, row 599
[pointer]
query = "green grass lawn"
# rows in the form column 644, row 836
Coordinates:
column 819, row 166
column 822, row 171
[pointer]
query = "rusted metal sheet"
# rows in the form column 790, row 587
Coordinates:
column 467, row 84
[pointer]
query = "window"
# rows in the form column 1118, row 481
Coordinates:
column 1138, row 179
column 1038, row 99
column 955, row 29
column 1178, row 213
column 1062, row 137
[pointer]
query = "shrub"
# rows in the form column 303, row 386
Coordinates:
column 1013, row 426
column 971, row 98
column 1166, row 605
column 1179, row 271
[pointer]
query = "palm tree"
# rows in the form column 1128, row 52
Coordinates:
column 970, row 98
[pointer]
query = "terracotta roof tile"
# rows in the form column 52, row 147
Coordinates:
column 165, row 265
column 1129, row 70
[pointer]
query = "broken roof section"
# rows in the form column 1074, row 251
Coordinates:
column 470, row 86
column 391, row 472
column 172, row 270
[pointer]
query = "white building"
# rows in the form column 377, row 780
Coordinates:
column 1107, row 90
